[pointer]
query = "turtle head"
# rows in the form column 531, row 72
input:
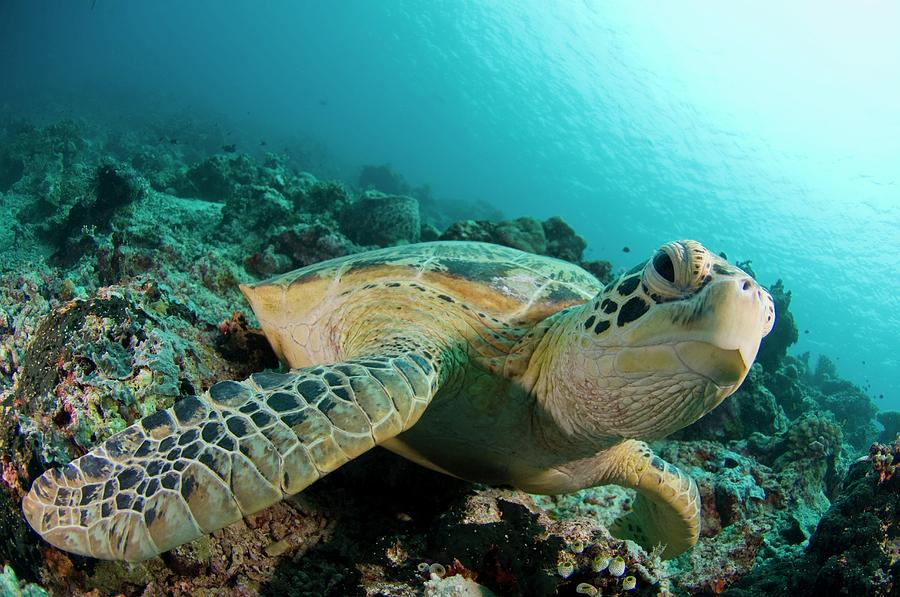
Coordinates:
column 662, row 345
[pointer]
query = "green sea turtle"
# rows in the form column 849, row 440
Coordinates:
column 475, row 360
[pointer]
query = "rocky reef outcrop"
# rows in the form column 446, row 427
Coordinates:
column 855, row 549
column 774, row 347
column 890, row 422
column 553, row 238
column 382, row 220
column 437, row 214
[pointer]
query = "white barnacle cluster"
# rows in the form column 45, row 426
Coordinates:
column 435, row 570
column 614, row 566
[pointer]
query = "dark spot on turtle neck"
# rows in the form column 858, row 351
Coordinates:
column 629, row 285
column 631, row 310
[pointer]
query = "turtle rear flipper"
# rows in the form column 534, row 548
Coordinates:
column 208, row 461
column 667, row 508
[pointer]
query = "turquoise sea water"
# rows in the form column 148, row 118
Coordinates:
column 771, row 133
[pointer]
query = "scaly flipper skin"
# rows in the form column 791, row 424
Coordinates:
column 667, row 508
column 209, row 461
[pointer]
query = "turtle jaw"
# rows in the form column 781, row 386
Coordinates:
column 723, row 367
column 717, row 333
column 723, row 335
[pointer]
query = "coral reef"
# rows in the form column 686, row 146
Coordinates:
column 752, row 409
column 11, row 170
column 525, row 234
column 754, row 504
column 764, row 494
column 562, row 241
column 35, row 159
column 793, row 391
column 327, row 197
column 140, row 306
column 257, row 208
column 855, row 548
column 112, row 187
column 810, row 451
column 738, row 497
column 217, row 178
column 851, row 406
column 774, row 346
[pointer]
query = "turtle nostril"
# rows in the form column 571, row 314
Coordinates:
column 746, row 285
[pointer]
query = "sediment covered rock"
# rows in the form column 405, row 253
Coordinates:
column 381, row 220
column 854, row 550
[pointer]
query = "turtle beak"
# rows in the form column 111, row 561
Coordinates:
column 746, row 314
column 743, row 314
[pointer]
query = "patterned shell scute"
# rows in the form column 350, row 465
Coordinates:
column 468, row 269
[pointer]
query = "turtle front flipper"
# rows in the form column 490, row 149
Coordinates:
column 210, row 460
column 667, row 508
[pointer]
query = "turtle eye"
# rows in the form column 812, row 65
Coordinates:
column 663, row 265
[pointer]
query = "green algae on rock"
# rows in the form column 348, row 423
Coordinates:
column 11, row 586
column 94, row 366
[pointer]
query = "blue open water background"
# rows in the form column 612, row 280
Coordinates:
column 766, row 131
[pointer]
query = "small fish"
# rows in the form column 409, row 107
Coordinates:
column 263, row 143
column 626, row 250
column 805, row 331
column 229, row 148
column 323, row 102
